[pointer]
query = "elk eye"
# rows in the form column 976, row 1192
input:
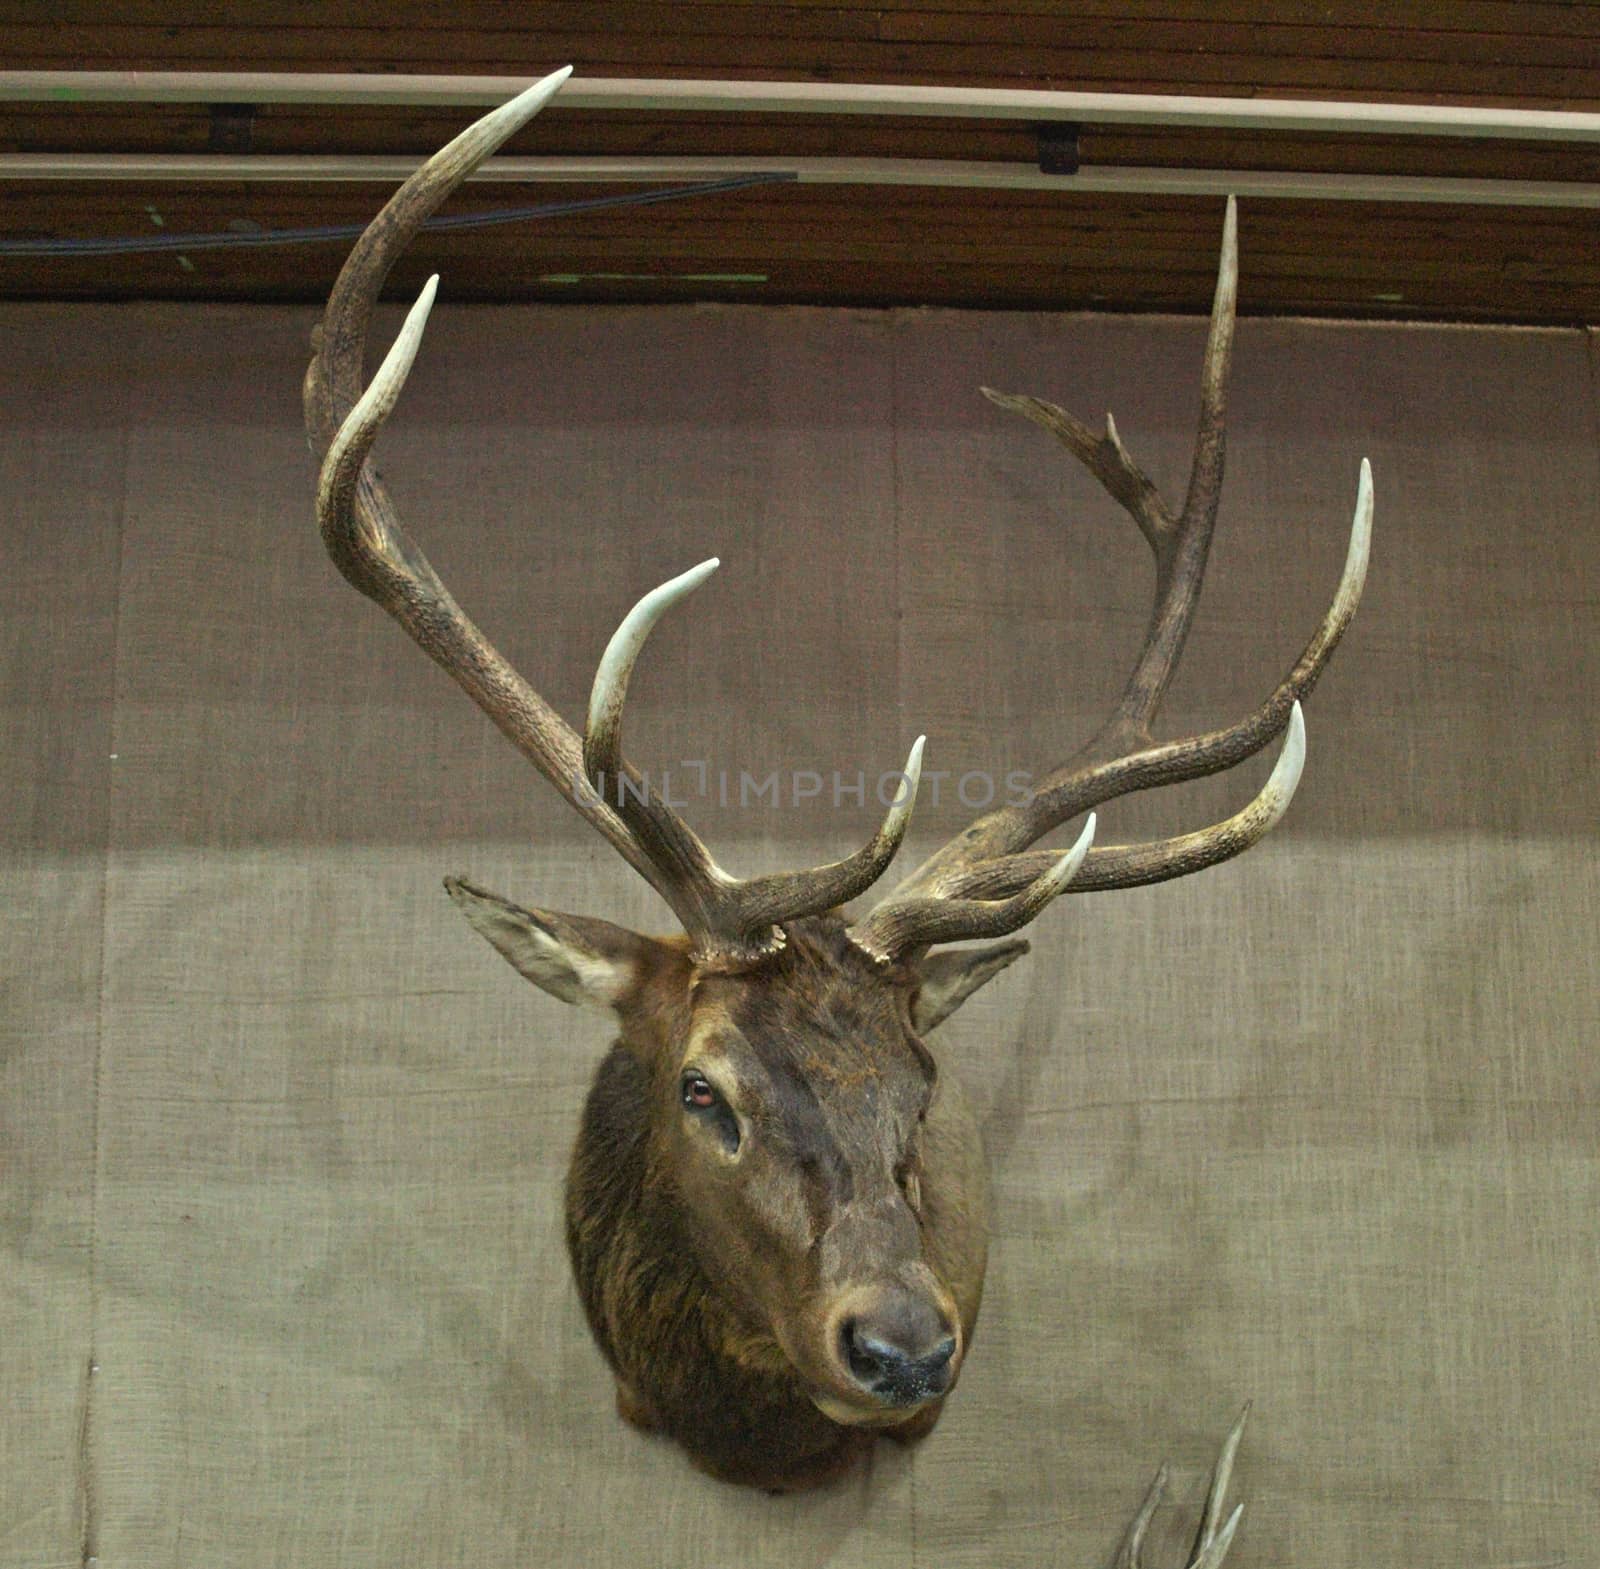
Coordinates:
column 704, row 1103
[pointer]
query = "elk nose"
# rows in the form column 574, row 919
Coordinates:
column 901, row 1354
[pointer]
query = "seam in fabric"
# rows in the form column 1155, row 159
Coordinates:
column 87, row 1480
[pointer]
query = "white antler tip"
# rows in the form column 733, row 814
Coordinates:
column 1067, row 867
column 1354, row 576
column 534, row 96
column 616, row 664
column 1291, row 762
column 360, row 429
column 905, row 798
column 481, row 138
column 664, row 596
column 417, row 316
column 695, row 576
column 1228, row 262
column 1213, row 1555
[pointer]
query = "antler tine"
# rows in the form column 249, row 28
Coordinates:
column 665, row 838
column 899, row 925
column 360, row 527
column 730, row 916
column 730, row 920
column 602, row 735
column 786, row 896
column 1079, row 785
column 1130, row 1554
column 986, row 861
column 1215, row 1535
column 1132, row 865
column 333, row 383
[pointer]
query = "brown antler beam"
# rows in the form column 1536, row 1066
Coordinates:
column 987, row 861
column 732, row 920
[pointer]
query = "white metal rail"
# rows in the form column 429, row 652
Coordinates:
column 734, row 97
column 667, row 96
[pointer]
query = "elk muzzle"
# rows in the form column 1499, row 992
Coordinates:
column 894, row 1345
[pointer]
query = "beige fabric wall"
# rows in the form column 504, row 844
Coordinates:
column 281, row 1274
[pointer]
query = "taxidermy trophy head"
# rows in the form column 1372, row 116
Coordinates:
column 776, row 1208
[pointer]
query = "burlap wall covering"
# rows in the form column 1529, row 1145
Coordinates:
column 283, row 1141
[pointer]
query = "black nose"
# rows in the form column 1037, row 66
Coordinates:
column 903, row 1357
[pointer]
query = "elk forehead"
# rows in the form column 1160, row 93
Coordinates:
column 813, row 1037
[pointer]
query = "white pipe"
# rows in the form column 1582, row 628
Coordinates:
column 700, row 97
column 193, row 168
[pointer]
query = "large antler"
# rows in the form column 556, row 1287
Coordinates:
column 985, row 881
column 731, row 921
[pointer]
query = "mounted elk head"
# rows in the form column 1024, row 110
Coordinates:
column 776, row 1205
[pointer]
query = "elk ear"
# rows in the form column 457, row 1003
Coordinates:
column 950, row 977
column 570, row 956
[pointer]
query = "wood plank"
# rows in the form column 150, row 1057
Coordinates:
column 1260, row 41
column 1437, row 38
column 1161, row 242
column 978, row 211
column 1074, row 61
column 997, row 216
column 1478, row 292
column 1561, row 304
column 1556, row 18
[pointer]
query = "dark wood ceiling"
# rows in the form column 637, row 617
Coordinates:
column 872, row 245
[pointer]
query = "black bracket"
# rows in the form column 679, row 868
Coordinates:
column 1058, row 146
column 232, row 126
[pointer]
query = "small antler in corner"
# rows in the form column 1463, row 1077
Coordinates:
column 1215, row 1535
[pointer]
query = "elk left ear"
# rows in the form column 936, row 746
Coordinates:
column 572, row 957
column 950, row 977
